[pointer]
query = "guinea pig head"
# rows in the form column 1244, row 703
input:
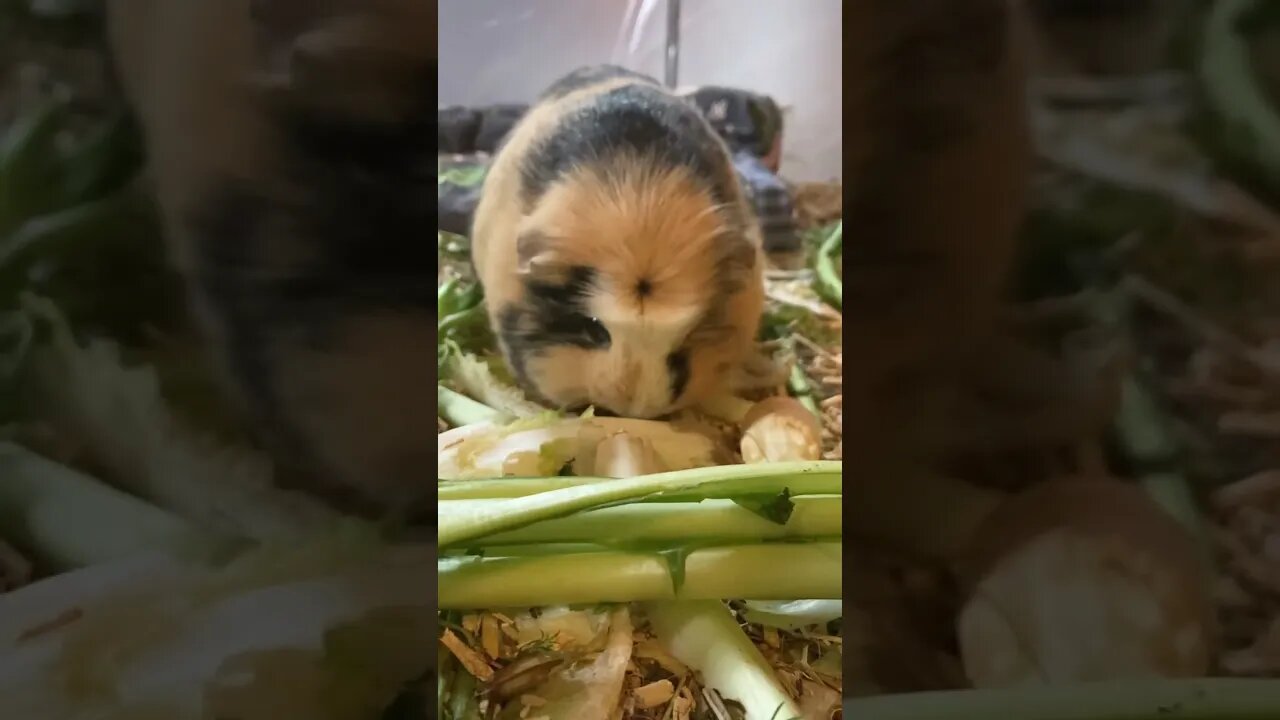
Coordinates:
column 640, row 291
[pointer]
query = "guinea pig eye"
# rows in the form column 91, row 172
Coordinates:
column 596, row 331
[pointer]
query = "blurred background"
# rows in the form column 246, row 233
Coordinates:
column 501, row 51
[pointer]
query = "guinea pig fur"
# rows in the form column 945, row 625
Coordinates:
column 621, row 264
column 290, row 143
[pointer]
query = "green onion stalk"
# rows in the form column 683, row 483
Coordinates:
column 705, row 635
column 1232, row 87
column 1143, row 431
column 765, row 571
column 660, row 522
column 70, row 520
column 460, row 410
column 679, row 541
column 828, row 284
column 29, row 167
column 458, row 526
column 800, row 387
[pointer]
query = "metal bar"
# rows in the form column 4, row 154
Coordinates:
column 673, row 42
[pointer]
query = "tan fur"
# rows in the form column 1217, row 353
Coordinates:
column 497, row 214
column 637, row 222
column 662, row 229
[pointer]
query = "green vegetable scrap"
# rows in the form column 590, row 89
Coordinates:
column 800, row 387
column 1241, row 108
column 828, row 282
column 458, row 526
column 478, row 378
column 72, row 222
column 464, row 175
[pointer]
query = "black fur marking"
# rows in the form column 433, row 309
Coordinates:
column 644, row 288
column 553, row 314
column 641, row 120
column 678, row 366
column 553, row 299
column 590, row 75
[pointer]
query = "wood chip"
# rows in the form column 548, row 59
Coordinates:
column 1271, row 547
column 817, row 700
column 822, row 353
column 1172, row 306
column 650, row 649
column 682, row 706
column 491, row 637
column 771, row 638
column 1262, row 488
column 1217, row 391
column 470, row 659
column 654, row 694
column 1228, row 593
column 1259, row 425
column 1255, row 571
column 471, row 623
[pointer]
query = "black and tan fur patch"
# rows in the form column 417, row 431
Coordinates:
column 618, row 254
column 622, row 126
column 589, row 76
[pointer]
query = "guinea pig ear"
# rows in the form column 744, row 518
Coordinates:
column 277, row 26
column 739, row 254
column 535, row 255
column 737, row 260
column 367, row 59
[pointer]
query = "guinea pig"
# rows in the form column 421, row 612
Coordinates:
column 621, row 264
column 290, row 143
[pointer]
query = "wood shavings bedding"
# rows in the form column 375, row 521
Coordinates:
column 1247, row 532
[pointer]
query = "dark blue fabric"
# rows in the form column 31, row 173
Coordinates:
column 771, row 200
